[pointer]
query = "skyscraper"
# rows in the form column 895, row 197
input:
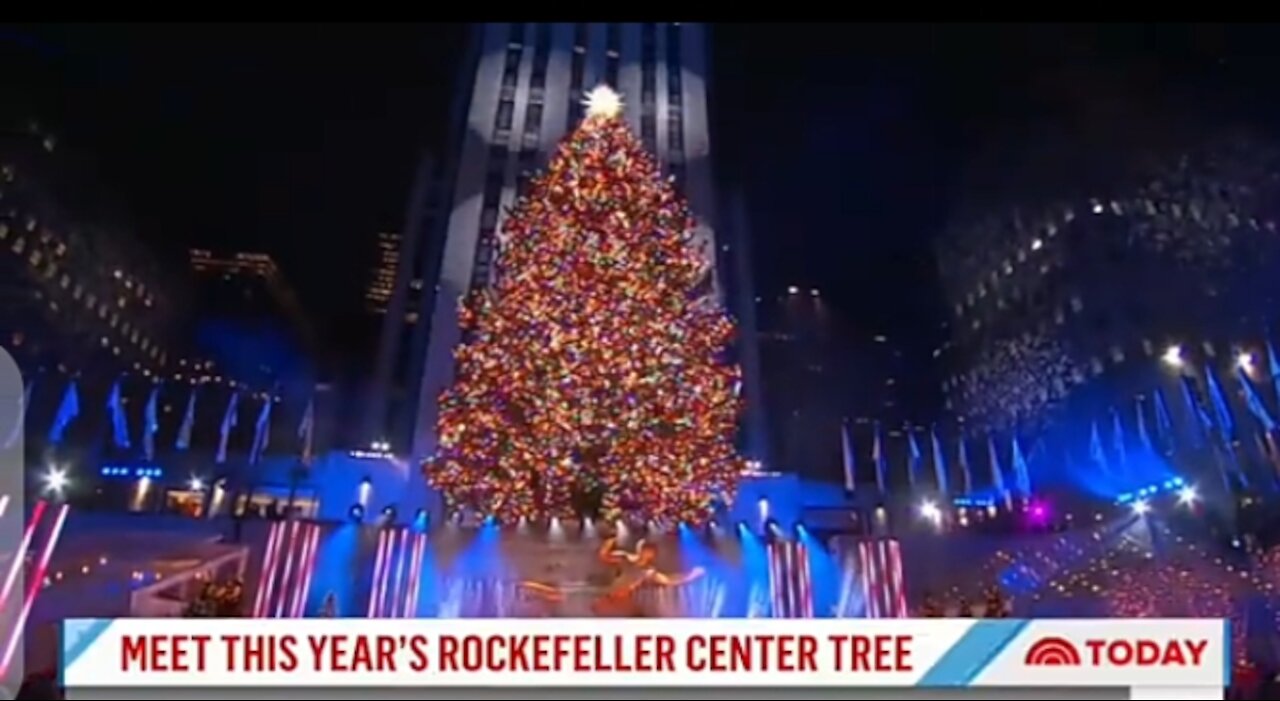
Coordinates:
column 382, row 275
column 522, row 92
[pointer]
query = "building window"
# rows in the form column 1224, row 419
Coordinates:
column 528, row 161
column 675, row 91
column 577, row 67
column 613, row 42
column 541, row 55
column 506, row 112
column 648, row 62
column 511, row 70
column 533, row 119
column 516, row 37
column 675, row 133
column 649, row 132
column 493, row 188
column 611, row 69
column 497, row 159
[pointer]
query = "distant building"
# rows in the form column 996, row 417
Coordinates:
column 248, row 319
column 820, row 373
column 391, row 408
column 382, row 274
column 80, row 298
column 78, row 291
column 1071, row 311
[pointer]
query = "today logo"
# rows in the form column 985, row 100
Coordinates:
column 1137, row 652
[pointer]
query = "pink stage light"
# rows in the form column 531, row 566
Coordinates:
column 895, row 573
column 394, row 547
column 33, row 589
column 397, row 591
column 415, row 576
column 20, row 555
column 869, row 595
column 806, row 582
column 260, row 602
column 304, row 575
column 290, row 555
column 789, row 580
column 377, row 570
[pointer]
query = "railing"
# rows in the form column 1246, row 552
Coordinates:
column 169, row 597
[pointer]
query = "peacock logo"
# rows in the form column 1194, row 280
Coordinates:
column 1052, row 652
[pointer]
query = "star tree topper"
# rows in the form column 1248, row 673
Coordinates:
column 603, row 101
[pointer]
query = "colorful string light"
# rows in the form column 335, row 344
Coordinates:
column 593, row 377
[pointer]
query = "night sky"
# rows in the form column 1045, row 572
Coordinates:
column 853, row 142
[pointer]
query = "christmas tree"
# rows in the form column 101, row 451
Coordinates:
column 593, row 379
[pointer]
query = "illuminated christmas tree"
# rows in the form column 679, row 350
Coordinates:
column 592, row 379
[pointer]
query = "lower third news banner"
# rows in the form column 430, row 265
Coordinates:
column 133, row 658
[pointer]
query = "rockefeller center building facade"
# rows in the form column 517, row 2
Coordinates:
column 521, row 91
column 1068, row 310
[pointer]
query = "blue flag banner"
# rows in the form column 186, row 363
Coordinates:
column 1021, row 475
column 151, row 423
column 997, row 473
column 1144, row 438
column 1254, row 402
column 119, row 420
column 1096, row 452
column 966, row 470
column 939, row 462
column 847, row 452
column 877, row 457
column 188, row 421
column 1118, row 441
column 68, row 410
column 1273, row 367
column 1221, row 409
column 1164, row 421
column 229, row 421
column 913, row 457
column 1203, row 424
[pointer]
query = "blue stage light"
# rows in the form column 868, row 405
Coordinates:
column 356, row 513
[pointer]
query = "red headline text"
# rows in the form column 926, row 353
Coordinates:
column 549, row 653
